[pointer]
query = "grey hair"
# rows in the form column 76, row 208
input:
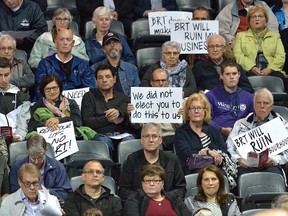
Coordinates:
column 223, row 40
column 100, row 11
column 264, row 91
column 280, row 201
column 171, row 44
column 148, row 126
column 60, row 11
column 8, row 37
column 36, row 145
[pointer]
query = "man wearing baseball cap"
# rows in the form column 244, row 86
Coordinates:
column 126, row 73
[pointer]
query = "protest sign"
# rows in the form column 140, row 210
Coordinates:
column 193, row 34
column 76, row 94
column 272, row 135
column 156, row 104
column 160, row 22
column 63, row 140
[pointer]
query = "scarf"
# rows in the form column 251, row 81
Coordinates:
column 62, row 111
column 177, row 76
column 259, row 38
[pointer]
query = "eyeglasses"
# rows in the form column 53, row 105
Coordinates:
column 197, row 108
column 91, row 172
column 172, row 53
column 160, row 81
column 154, row 181
column 218, row 46
column 10, row 49
column 148, row 136
column 54, row 88
column 28, row 184
column 40, row 158
column 257, row 17
column 63, row 19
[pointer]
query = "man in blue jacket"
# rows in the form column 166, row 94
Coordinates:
column 53, row 173
column 73, row 71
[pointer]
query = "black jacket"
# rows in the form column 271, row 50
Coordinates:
column 130, row 179
column 137, row 204
column 78, row 202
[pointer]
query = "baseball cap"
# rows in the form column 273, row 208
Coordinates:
column 109, row 36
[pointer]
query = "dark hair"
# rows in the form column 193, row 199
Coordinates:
column 156, row 69
column 48, row 79
column 104, row 67
column 5, row 63
column 229, row 63
column 221, row 194
column 152, row 170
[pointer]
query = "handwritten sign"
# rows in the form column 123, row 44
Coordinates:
column 156, row 104
column 272, row 135
column 62, row 140
column 76, row 94
column 193, row 34
column 160, row 22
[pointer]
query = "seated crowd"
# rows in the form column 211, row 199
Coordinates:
column 218, row 104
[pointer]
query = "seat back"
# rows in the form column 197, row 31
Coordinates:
column 145, row 41
column 250, row 183
column 88, row 150
column 191, row 184
column 127, row 147
column 73, row 26
column 18, row 151
column 283, row 111
column 272, row 83
column 184, row 5
column 148, row 56
column 115, row 26
column 20, row 54
column 139, row 27
column 109, row 182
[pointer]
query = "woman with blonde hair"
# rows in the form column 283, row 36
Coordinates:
column 196, row 135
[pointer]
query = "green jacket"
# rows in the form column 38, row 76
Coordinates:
column 246, row 48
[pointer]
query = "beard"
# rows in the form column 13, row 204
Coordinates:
column 114, row 53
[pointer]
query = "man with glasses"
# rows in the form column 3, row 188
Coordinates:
column 30, row 199
column 24, row 17
column 126, row 73
column 232, row 18
column 22, row 76
column 207, row 71
column 130, row 179
column 263, row 104
column 73, row 71
column 53, row 173
column 15, row 105
column 92, row 194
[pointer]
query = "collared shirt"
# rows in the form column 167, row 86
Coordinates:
column 32, row 209
column 41, row 170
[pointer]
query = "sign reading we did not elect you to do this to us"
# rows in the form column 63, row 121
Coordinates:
column 156, row 104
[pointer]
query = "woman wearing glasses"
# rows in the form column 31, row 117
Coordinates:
column 44, row 45
column 179, row 72
column 196, row 135
column 53, row 108
column 259, row 50
column 151, row 199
